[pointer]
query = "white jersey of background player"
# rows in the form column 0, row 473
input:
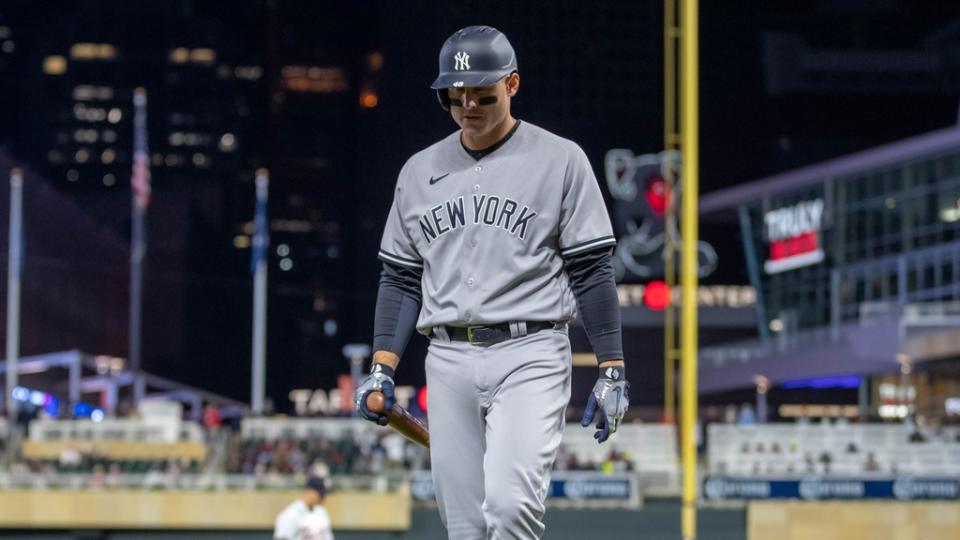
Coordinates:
column 497, row 234
column 305, row 518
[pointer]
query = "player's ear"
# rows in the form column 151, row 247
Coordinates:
column 513, row 84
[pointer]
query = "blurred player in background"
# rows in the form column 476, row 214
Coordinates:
column 306, row 518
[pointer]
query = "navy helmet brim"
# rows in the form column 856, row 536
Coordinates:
column 475, row 79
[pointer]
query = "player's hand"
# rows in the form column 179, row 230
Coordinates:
column 610, row 396
column 380, row 379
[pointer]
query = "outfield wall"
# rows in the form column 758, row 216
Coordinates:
column 195, row 510
column 657, row 520
column 847, row 520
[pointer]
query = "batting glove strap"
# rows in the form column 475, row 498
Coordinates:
column 613, row 373
column 381, row 372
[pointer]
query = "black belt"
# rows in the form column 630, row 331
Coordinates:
column 490, row 334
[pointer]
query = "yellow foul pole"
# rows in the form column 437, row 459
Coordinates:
column 690, row 120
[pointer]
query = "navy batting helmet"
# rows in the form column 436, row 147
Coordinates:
column 473, row 57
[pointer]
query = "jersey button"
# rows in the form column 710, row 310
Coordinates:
column 471, row 281
column 473, row 243
column 478, row 168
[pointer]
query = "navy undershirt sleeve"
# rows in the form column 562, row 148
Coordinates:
column 398, row 306
column 592, row 278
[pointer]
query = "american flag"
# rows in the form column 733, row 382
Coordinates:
column 140, row 181
column 261, row 234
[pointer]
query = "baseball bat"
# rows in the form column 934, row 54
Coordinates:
column 400, row 420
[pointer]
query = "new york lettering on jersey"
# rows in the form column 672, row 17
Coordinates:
column 490, row 210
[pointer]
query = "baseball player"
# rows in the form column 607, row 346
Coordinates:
column 305, row 518
column 497, row 234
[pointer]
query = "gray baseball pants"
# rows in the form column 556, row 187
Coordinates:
column 496, row 417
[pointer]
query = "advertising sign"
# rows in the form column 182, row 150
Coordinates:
column 816, row 488
column 793, row 234
column 640, row 188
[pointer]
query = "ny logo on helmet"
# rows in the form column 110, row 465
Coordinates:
column 462, row 61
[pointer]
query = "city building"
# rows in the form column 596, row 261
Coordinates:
column 856, row 263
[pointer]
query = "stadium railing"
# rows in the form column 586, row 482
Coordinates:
column 112, row 445
column 152, row 430
column 787, row 450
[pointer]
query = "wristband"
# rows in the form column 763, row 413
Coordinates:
column 613, row 373
column 383, row 369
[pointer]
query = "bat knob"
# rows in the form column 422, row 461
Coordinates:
column 375, row 402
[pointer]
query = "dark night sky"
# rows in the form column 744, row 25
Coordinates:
column 591, row 72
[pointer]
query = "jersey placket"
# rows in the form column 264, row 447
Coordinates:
column 470, row 280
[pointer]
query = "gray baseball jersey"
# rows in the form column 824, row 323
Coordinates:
column 489, row 234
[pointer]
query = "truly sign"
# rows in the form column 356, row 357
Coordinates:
column 793, row 233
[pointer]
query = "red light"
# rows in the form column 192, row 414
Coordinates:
column 658, row 196
column 422, row 398
column 345, row 385
column 656, row 295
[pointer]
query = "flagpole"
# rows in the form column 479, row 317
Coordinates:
column 14, row 257
column 140, row 198
column 259, row 262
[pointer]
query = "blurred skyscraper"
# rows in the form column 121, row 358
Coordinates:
column 231, row 87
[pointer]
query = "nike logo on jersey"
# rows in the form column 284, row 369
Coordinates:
column 435, row 179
